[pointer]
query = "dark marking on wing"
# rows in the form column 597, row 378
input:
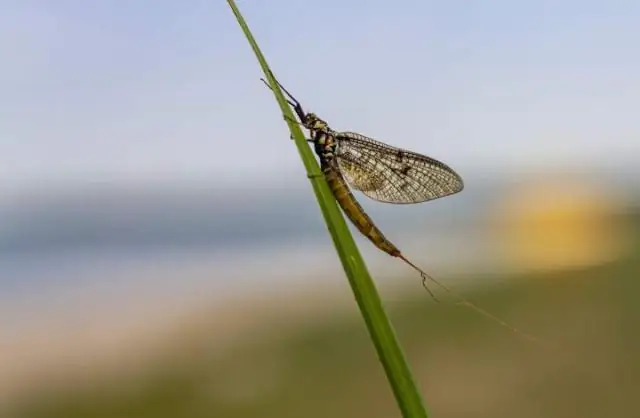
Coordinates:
column 399, row 176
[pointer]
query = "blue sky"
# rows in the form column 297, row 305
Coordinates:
column 163, row 91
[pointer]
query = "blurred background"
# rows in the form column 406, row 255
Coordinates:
column 162, row 253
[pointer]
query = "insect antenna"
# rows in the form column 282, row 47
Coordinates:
column 468, row 304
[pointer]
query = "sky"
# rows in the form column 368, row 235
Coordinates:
column 169, row 91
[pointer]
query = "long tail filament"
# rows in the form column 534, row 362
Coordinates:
column 468, row 304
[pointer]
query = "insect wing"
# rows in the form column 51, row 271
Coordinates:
column 393, row 175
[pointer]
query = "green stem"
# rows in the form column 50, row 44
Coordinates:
column 364, row 290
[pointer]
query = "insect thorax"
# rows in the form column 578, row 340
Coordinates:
column 325, row 145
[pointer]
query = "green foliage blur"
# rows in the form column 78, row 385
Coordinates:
column 465, row 364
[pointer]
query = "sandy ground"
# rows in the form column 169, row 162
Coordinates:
column 77, row 332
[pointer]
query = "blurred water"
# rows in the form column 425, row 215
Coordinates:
column 69, row 235
column 44, row 238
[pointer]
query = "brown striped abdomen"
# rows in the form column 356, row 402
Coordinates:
column 355, row 213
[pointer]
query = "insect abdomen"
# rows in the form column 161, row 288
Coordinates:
column 356, row 214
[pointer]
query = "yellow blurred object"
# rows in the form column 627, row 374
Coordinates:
column 557, row 223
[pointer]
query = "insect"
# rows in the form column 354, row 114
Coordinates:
column 383, row 173
column 380, row 171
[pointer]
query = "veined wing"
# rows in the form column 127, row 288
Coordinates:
column 393, row 175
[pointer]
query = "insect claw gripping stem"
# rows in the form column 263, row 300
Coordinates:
column 288, row 119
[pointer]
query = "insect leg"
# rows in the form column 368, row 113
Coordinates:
column 292, row 100
column 292, row 120
column 288, row 119
column 296, row 103
column 267, row 84
column 311, row 141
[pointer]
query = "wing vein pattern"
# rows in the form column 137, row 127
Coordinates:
column 393, row 175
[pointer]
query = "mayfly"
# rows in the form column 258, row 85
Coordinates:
column 383, row 173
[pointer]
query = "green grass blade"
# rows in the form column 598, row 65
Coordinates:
column 364, row 290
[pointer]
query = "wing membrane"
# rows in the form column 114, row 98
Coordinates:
column 393, row 175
